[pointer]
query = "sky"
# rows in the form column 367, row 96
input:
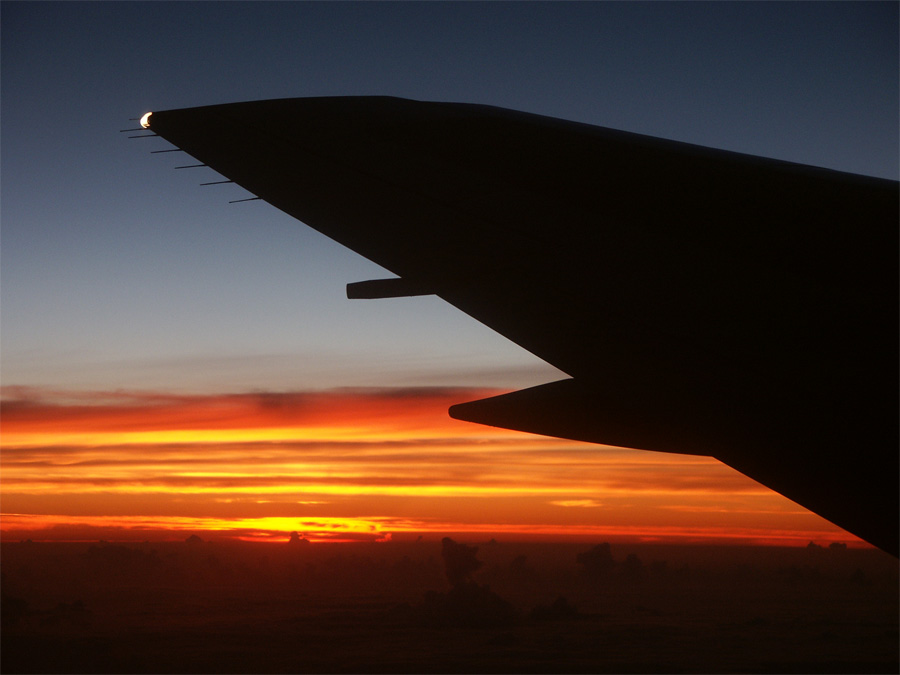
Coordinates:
column 149, row 328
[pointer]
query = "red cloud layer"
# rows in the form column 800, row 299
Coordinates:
column 407, row 467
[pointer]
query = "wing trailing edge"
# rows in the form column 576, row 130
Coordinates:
column 844, row 486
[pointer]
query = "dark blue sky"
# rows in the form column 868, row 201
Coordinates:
column 118, row 272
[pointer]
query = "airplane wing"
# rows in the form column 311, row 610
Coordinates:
column 702, row 301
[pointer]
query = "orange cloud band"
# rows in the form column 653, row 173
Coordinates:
column 388, row 457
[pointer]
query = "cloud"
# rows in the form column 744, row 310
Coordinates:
column 459, row 561
column 174, row 528
column 467, row 604
column 371, row 453
column 584, row 503
column 39, row 410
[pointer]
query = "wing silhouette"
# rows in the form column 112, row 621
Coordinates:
column 702, row 301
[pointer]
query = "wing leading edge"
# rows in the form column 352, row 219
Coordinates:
column 702, row 301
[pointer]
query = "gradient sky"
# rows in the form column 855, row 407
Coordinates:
column 121, row 275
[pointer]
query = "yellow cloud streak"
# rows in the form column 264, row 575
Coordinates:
column 458, row 490
column 381, row 527
column 325, row 434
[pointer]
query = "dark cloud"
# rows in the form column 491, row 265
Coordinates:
column 460, row 562
column 37, row 409
column 598, row 561
column 558, row 610
column 467, row 603
column 633, row 568
column 297, row 541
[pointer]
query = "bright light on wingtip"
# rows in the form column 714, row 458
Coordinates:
column 145, row 120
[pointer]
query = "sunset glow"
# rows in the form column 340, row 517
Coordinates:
column 351, row 465
column 217, row 457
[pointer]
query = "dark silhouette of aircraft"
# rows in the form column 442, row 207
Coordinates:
column 702, row 301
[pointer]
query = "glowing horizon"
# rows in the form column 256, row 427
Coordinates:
column 352, row 465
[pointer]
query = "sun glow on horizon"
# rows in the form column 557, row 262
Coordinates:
column 357, row 465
